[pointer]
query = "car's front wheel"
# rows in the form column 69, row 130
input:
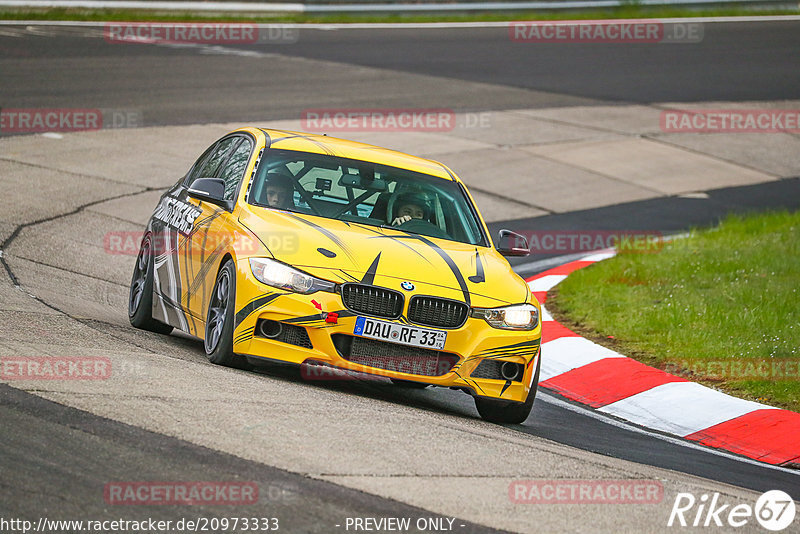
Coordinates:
column 220, row 321
column 504, row 412
column 140, row 297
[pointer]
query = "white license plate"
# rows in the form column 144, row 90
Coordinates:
column 400, row 333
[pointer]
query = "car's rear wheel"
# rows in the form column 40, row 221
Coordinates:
column 140, row 297
column 504, row 412
column 220, row 321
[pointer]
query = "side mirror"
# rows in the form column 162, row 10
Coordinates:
column 512, row 244
column 210, row 190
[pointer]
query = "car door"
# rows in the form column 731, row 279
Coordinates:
column 215, row 229
column 175, row 221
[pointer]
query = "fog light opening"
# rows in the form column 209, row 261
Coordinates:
column 510, row 371
column 270, row 329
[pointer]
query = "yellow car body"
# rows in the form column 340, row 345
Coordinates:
column 190, row 239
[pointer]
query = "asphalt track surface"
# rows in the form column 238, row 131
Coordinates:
column 174, row 86
column 462, row 69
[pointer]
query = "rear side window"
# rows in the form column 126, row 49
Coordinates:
column 211, row 165
column 193, row 173
column 234, row 169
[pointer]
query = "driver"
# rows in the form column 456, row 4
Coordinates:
column 279, row 190
column 410, row 206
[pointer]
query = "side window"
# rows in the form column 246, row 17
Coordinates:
column 194, row 172
column 235, row 167
column 210, row 166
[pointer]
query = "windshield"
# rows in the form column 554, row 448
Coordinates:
column 365, row 193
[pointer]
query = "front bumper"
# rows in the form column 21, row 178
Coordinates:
column 311, row 335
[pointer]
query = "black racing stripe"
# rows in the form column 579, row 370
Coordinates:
column 205, row 221
column 522, row 344
column 382, row 235
column 317, row 317
column 505, row 352
column 254, row 298
column 349, row 277
column 501, row 355
column 204, row 224
column 467, row 380
column 369, row 276
column 412, row 249
column 245, row 335
column 448, row 260
column 327, row 233
column 479, row 277
column 304, row 319
column 187, row 264
column 505, row 387
column 252, row 306
column 204, row 268
column 242, row 340
column 290, row 135
column 180, row 311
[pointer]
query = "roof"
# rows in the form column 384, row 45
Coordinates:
column 322, row 144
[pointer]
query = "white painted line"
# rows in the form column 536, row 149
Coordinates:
column 600, row 256
column 567, row 353
column 545, row 283
column 546, row 317
column 588, row 412
column 680, row 408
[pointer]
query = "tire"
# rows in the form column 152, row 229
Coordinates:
column 218, row 339
column 140, row 296
column 408, row 383
column 504, row 412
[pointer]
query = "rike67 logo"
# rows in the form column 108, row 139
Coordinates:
column 774, row 510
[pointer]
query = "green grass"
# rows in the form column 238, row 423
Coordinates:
column 712, row 307
column 627, row 12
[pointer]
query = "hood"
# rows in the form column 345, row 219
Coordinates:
column 349, row 252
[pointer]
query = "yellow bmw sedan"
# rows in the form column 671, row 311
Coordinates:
column 311, row 250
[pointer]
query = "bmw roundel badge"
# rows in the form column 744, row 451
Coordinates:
column 408, row 286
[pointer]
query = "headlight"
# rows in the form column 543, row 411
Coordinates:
column 277, row 274
column 517, row 317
